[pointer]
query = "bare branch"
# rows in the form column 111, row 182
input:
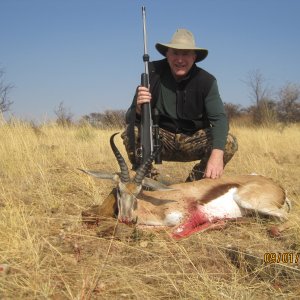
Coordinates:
column 289, row 103
column 5, row 103
column 64, row 116
column 257, row 85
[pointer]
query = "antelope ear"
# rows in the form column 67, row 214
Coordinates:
column 102, row 175
column 155, row 185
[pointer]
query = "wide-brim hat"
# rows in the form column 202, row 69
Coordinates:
column 183, row 40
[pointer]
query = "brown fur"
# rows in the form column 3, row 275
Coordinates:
column 217, row 191
column 108, row 209
column 131, row 188
column 258, row 192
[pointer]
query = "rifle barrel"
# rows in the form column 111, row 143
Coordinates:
column 146, row 118
column 145, row 56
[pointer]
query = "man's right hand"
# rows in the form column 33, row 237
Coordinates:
column 143, row 96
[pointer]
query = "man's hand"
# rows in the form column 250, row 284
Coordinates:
column 215, row 164
column 143, row 96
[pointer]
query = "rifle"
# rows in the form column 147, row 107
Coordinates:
column 147, row 126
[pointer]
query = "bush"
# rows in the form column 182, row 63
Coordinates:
column 106, row 120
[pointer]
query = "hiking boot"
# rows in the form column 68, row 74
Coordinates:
column 197, row 173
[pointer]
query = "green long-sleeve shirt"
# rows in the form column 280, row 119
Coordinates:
column 194, row 102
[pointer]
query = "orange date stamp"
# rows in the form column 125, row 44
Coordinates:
column 282, row 258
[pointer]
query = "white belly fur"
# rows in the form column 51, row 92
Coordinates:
column 223, row 207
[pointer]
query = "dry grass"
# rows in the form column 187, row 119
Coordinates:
column 52, row 255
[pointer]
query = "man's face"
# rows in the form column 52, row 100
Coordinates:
column 180, row 61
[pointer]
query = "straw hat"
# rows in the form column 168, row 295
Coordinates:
column 184, row 40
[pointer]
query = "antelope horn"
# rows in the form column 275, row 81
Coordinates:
column 124, row 176
column 143, row 169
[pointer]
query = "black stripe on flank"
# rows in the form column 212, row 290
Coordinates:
column 217, row 191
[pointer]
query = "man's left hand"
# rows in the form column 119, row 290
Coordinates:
column 215, row 165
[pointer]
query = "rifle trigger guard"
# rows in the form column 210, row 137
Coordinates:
column 139, row 152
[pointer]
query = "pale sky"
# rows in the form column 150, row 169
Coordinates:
column 88, row 53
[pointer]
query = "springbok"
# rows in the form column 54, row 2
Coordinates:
column 192, row 206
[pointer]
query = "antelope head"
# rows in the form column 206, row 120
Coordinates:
column 127, row 188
